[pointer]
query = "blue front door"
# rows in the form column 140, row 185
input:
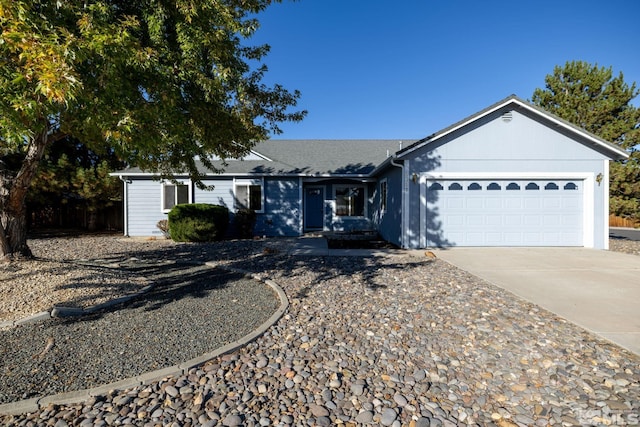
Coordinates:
column 314, row 208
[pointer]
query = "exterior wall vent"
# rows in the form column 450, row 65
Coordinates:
column 507, row 117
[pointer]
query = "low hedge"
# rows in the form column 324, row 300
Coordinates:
column 198, row 222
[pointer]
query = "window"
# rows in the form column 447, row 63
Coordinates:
column 493, row 186
column 455, row 186
column 350, row 200
column 249, row 195
column 532, row 186
column 474, row 186
column 513, row 186
column 551, row 186
column 570, row 186
column 435, row 186
column 383, row 195
column 174, row 194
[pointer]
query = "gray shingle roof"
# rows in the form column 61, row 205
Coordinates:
column 309, row 157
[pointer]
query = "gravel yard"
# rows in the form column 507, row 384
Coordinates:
column 379, row 341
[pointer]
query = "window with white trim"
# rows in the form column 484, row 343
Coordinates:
column 383, row 195
column 174, row 193
column 248, row 194
column 350, row 200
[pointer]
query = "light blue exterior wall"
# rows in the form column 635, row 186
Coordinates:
column 283, row 208
column 518, row 146
column 144, row 207
column 389, row 222
column 222, row 193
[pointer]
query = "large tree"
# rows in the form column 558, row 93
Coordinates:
column 592, row 98
column 160, row 82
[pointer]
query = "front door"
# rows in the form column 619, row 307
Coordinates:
column 314, row 208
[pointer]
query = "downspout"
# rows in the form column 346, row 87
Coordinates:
column 402, row 214
column 125, row 205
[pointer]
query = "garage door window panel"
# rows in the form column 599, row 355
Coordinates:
column 513, row 186
column 532, row 186
column 455, row 187
column 494, row 186
column 570, row 186
column 474, row 186
column 551, row 186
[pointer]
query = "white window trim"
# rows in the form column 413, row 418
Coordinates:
column 237, row 182
column 335, row 205
column 186, row 182
column 384, row 206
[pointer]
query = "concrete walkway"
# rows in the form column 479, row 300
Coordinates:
column 597, row 290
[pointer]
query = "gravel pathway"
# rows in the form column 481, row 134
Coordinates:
column 375, row 341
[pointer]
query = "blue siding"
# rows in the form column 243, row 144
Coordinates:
column 221, row 194
column 282, row 211
column 389, row 223
column 144, row 207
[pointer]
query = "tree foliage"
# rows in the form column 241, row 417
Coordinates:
column 592, row 98
column 71, row 173
column 160, row 82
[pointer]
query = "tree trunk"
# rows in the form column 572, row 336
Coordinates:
column 13, row 197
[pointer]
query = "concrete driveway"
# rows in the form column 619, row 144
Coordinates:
column 598, row 290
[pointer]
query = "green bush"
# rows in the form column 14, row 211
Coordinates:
column 198, row 222
column 245, row 220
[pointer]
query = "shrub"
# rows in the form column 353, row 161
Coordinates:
column 163, row 225
column 245, row 220
column 198, row 222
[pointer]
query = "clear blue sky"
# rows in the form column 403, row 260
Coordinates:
column 407, row 68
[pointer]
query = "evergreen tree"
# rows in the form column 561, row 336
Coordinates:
column 592, row 98
column 71, row 173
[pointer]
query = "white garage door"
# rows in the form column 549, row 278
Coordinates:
column 504, row 213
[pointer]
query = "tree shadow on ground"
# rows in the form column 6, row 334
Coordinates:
column 171, row 282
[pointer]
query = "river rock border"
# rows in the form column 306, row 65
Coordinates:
column 78, row 396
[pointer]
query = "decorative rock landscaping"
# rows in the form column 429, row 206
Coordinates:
column 393, row 341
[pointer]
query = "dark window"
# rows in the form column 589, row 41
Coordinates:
column 532, row 186
column 249, row 196
column 513, row 186
column 455, row 186
column 350, row 201
column 494, row 186
column 474, row 186
column 570, row 186
column 175, row 195
column 435, row 186
column 551, row 186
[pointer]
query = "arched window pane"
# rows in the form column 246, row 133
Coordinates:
column 532, row 186
column 551, row 186
column 494, row 186
column 455, row 186
column 474, row 186
column 435, row 186
column 570, row 186
column 513, row 186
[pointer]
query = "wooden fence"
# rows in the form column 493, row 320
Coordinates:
column 616, row 221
